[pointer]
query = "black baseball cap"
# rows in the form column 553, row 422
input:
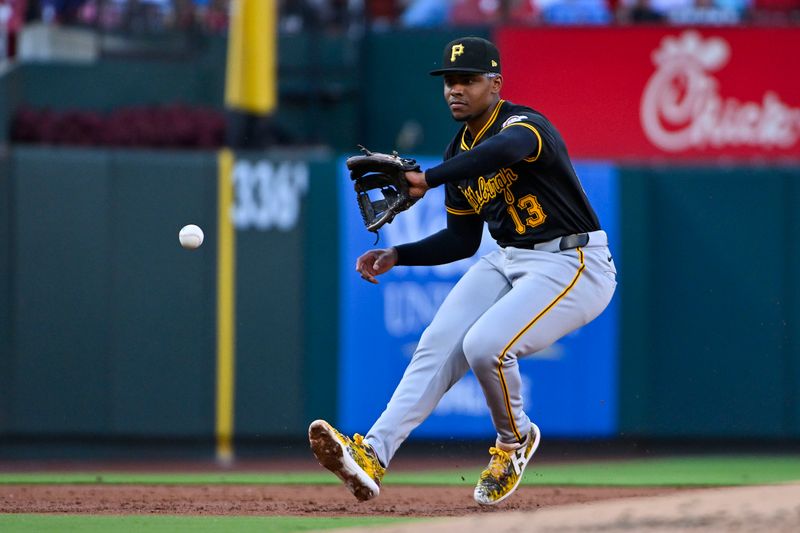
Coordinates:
column 469, row 54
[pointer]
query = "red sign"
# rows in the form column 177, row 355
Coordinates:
column 660, row 92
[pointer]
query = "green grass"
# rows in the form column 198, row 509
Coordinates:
column 719, row 470
column 675, row 471
column 194, row 478
column 711, row 470
column 168, row 524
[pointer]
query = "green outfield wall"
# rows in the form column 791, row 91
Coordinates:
column 281, row 214
column 108, row 327
column 113, row 324
column 711, row 303
column 6, row 245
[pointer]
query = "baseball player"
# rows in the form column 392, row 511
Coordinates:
column 508, row 167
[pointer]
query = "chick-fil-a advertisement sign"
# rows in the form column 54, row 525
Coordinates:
column 652, row 92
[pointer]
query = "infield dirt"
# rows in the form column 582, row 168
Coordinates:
column 293, row 500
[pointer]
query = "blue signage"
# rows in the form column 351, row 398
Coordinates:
column 570, row 389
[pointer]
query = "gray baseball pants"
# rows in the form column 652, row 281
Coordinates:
column 512, row 303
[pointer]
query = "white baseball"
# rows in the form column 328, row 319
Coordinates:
column 191, row 236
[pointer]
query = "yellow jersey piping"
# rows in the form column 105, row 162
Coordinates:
column 535, row 131
column 485, row 127
column 524, row 330
column 460, row 211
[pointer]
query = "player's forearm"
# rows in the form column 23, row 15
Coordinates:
column 459, row 240
column 438, row 249
column 506, row 148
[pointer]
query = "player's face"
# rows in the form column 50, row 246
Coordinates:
column 469, row 95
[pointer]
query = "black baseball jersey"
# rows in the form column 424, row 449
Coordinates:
column 534, row 200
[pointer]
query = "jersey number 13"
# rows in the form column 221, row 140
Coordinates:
column 527, row 205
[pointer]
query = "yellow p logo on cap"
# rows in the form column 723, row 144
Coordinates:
column 456, row 51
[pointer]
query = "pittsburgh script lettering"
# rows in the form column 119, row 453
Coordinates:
column 682, row 108
column 488, row 189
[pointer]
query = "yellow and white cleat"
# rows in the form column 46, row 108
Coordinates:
column 354, row 462
column 502, row 476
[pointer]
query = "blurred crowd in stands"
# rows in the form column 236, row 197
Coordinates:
column 299, row 15
column 126, row 15
column 598, row 12
column 164, row 126
column 183, row 126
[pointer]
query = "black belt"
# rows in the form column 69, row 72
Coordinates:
column 567, row 242
column 576, row 240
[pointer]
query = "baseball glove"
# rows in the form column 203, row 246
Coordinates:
column 382, row 175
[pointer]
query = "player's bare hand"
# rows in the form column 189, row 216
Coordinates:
column 418, row 184
column 376, row 262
